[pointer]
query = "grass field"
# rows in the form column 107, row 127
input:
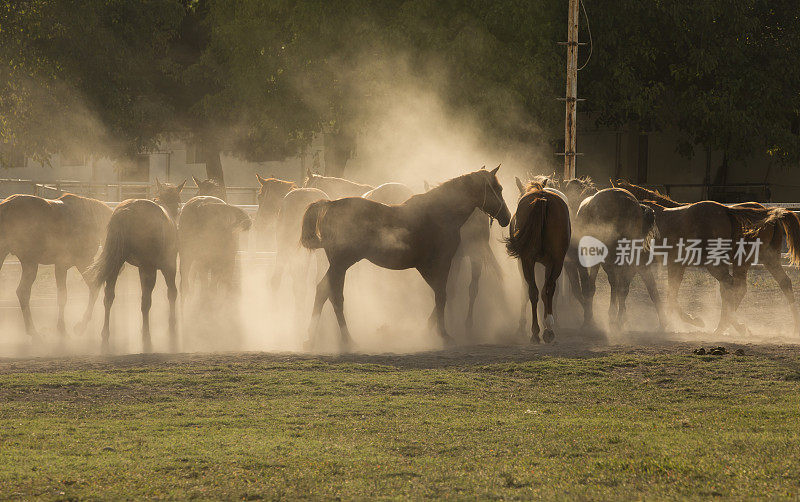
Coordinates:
column 492, row 422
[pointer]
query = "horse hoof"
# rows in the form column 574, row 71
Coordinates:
column 105, row 348
column 535, row 339
column 308, row 345
column 147, row 347
column 548, row 335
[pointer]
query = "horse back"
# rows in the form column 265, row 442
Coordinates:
column 149, row 233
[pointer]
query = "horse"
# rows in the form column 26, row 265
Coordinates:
column 270, row 196
column 208, row 239
column 708, row 222
column 614, row 216
column 212, row 187
column 540, row 232
column 389, row 193
column 65, row 232
column 142, row 232
column 287, row 240
column 770, row 256
column 335, row 187
column 421, row 233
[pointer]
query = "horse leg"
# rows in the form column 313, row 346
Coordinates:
column 108, row 301
column 552, row 273
column 322, row 294
column 588, row 285
column 29, row 270
column 436, row 277
column 528, row 268
column 336, row 288
column 172, row 295
column 61, row 292
column 624, row 277
column 779, row 274
column 613, row 274
column 186, row 270
column 721, row 274
column 94, row 291
column 675, row 273
column 652, row 290
column 525, row 299
column 476, row 266
column 738, row 291
column 147, row 278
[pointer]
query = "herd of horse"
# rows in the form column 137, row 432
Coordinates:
column 394, row 228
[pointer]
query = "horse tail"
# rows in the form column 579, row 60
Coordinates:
column 526, row 237
column 112, row 256
column 750, row 221
column 311, row 236
column 791, row 225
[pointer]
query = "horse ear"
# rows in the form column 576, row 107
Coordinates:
column 196, row 181
column 483, row 168
column 180, row 187
column 519, row 184
column 158, row 185
column 261, row 179
column 494, row 171
column 426, row 185
column 309, row 172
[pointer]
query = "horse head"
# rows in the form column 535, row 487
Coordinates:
column 270, row 194
column 210, row 187
column 168, row 196
column 490, row 195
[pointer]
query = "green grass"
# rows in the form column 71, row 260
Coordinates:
column 618, row 426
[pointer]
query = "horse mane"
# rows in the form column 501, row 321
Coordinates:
column 275, row 181
column 343, row 181
column 653, row 195
column 535, row 185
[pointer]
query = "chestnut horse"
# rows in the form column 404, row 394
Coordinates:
column 66, row 232
column 613, row 216
column 143, row 233
column 540, row 232
column 421, row 233
column 771, row 236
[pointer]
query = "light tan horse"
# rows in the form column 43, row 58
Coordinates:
column 208, row 239
column 540, row 233
column 65, row 232
column 770, row 255
column 143, row 233
column 389, row 193
column 421, row 233
column 335, row 187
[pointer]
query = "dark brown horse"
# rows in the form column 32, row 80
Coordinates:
column 66, row 232
column 335, row 187
column 614, row 216
column 208, row 239
column 421, row 233
column 212, row 187
column 540, row 232
column 770, row 255
column 143, row 233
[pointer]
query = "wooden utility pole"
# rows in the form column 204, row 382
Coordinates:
column 570, row 136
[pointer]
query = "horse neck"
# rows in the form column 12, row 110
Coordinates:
column 449, row 202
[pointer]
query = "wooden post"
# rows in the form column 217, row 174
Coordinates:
column 570, row 136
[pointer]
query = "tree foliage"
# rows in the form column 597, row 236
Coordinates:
column 261, row 77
